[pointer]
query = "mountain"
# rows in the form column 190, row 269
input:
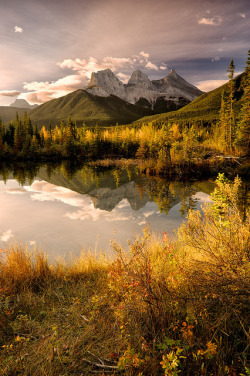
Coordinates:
column 107, row 101
column 91, row 109
column 8, row 113
column 19, row 106
column 22, row 103
column 167, row 94
column 204, row 109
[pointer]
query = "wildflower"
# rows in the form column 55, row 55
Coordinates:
column 165, row 237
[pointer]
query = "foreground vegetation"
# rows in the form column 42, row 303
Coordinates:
column 160, row 309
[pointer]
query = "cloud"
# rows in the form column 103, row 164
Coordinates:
column 16, row 191
column 6, row 235
column 242, row 15
column 214, row 21
column 82, row 205
column 88, row 212
column 10, row 93
column 202, row 197
column 37, row 97
column 163, row 66
column 18, row 29
column 144, row 54
column 150, row 65
column 215, row 59
column 123, row 77
column 87, row 66
column 40, row 92
column 44, row 191
column 148, row 214
column 209, row 85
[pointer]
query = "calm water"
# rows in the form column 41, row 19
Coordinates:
column 63, row 211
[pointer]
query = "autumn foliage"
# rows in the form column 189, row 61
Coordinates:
column 163, row 308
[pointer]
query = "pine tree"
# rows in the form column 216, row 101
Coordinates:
column 231, row 88
column 2, row 134
column 243, row 132
column 223, row 120
column 227, row 118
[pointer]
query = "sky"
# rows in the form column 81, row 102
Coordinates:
column 50, row 47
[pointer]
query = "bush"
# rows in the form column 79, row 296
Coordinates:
column 162, row 308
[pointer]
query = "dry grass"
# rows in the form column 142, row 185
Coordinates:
column 156, row 310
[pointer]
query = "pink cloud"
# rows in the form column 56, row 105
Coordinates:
column 150, row 65
column 209, row 85
column 18, row 29
column 213, row 21
column 10, row 93
column 40, row 92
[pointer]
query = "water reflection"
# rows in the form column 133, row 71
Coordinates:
column 63, row 208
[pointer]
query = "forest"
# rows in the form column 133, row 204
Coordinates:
column 167, row 147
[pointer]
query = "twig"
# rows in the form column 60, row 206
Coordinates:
column 84, row 318
column 100, row 359
column 104, row 366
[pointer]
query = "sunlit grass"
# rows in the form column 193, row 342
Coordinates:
column 161, row 308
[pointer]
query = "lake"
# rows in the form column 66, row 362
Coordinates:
column 61, row 209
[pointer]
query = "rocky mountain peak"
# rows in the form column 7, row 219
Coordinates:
column 22, row 103
column 102, row 77
column 105, row 82
column 173, row 89
column 137, row 77
column 173, row 73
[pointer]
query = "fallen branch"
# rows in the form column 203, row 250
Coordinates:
column 102, row 365
column 229, row 157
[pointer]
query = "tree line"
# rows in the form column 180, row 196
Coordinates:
column 167, row 144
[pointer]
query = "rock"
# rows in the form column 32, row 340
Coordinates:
column 22, row 103
column 104, row 83
column 169, row 93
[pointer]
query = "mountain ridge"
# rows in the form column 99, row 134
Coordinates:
column 84, row 107
column 172, row 88
column 107, row 101
column 203, row 109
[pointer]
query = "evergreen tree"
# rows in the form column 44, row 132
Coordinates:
column 19, row 135
column 230, row 117
column 223, row 136
column 243, row 132
column 2, row 134
column 227, row 119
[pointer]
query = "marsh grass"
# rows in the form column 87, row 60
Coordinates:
column 162, row 308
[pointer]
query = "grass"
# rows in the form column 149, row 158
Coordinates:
column 160, row 309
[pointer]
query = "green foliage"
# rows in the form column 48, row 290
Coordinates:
column 84, row 107
column 243, row 131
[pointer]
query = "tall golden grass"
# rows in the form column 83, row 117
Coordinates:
column 163, row 308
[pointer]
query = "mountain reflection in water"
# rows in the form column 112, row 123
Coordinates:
column 62, row 209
